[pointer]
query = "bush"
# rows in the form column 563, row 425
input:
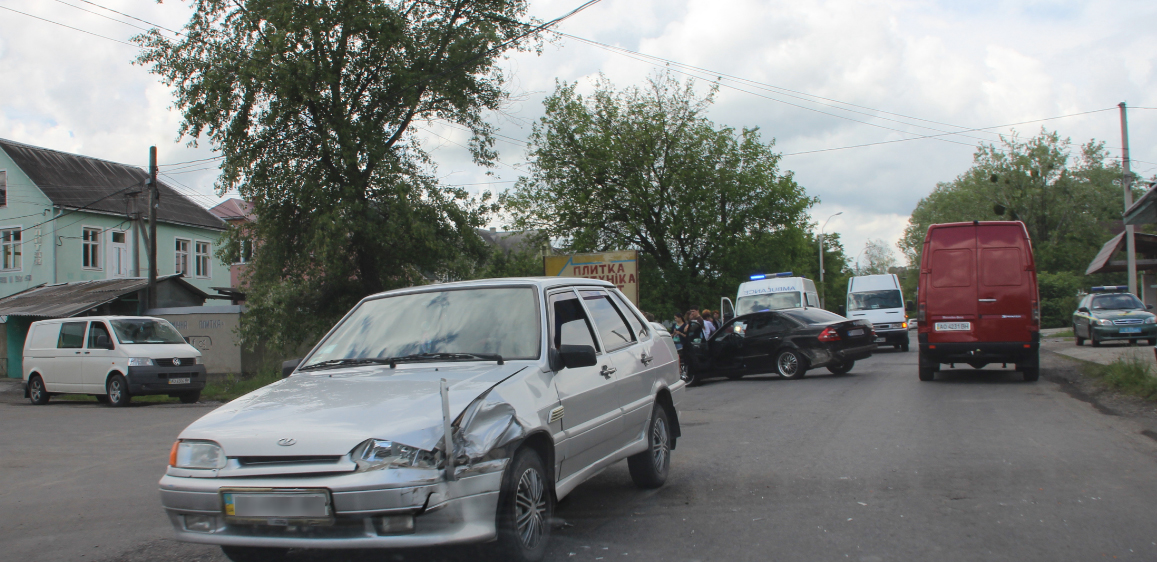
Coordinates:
column 1058, row 297
column 1130, row 374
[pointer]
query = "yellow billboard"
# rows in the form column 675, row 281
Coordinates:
column 620, row 268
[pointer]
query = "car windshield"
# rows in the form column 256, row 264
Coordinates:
column 145, row 330
column 1117, row 302
column 872, row 300
column 767, row 301
column 814, row 316
column 471, row 322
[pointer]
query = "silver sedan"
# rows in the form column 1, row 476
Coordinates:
column 532, row 385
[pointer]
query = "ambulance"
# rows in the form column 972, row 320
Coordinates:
column 771, row 292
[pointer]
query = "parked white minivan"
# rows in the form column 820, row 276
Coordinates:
column 110, row 357
column 878, row 299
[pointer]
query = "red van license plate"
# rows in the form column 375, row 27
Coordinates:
column 953, row 326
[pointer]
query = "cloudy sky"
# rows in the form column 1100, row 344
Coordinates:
column 814, row 76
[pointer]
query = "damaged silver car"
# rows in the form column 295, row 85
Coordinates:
column 444, row 414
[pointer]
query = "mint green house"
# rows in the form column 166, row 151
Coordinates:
column 66, row 218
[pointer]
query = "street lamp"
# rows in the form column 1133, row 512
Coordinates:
column 823, row 292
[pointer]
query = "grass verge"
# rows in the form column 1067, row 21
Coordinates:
column 1129, row 375
column 1064, row 334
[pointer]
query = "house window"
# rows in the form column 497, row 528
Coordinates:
column 246, row 253
column 3, row 188
column 182, row 266
column 202, row 259
column 90, row 248
column 10, row 249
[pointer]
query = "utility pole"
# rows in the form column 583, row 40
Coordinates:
column 823, row 289
column 154, row 196
column 1127, row 182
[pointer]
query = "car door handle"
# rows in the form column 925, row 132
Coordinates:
column 646, row 359
column 607, row 371
column 987, row 300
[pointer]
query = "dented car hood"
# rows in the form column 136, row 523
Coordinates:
column 329, row 412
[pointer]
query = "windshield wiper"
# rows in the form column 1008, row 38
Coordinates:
column 393, row 361
column 346, row 362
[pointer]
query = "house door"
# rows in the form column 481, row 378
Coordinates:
column 118, row 254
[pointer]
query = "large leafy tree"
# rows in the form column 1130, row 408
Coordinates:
column 644, row 168
column 313, row 105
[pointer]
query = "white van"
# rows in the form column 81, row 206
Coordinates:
column 110, row 357
column 771, row 292
column 877, row 298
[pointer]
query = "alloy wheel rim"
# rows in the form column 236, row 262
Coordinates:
column 530, row 508
column 660, row 449
column 34, row 392
column 684, row 372
column 788, row 364
column 114, row 391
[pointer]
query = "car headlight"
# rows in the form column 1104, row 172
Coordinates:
column 140, row 362
column 1151, row 320
column 376, row 454
column 197, row 454
column 1105, row 322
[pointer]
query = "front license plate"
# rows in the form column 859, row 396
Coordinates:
column 275, row 506
column 880, row 340
column 182, row 380
column 1130, row 330
column 855, row 333
column 953, row 326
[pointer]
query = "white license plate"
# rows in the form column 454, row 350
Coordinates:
column 181, row 380
column 277, row 505
column 880, row 340
column 1130, row 330
column 855, row 333
column 953, row 326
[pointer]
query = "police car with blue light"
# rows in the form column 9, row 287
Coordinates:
column 1111, row 313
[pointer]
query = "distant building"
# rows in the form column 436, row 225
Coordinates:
column 236, row 213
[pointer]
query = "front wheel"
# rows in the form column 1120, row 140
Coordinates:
column 118, row 391
column 36, row 392
column 525, row 509
column 190, row 397
column 841, row 368
column 1093, row 339
column 254, row 554
column 649, row 468
column 790, row 364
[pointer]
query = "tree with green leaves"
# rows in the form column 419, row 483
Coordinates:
column 877, row 259
column 313, row 105
column 644, row 168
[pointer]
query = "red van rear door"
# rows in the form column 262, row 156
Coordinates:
column 951, row 301
column 1004, row 297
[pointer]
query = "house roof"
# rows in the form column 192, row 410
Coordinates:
column 63, row 300
column 74, row 181
column 233, row 209
column 1145, row 244
column 509, row 241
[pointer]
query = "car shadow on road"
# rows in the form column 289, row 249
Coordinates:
column 979, row 376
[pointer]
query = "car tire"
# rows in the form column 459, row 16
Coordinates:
column 841, row 368
column 649, row 469
column 927, row 369
column 37, row 394
column 790, row 364
column 1030, row 368
column 190, row 397
column 524, row 483
column 254, row 554
column 904, row 347
column 117, row 389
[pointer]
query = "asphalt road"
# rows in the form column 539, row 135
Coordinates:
column 869, row 466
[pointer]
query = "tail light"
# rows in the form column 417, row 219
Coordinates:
column 829, row 334
column 920, row 314
column 1036, row 314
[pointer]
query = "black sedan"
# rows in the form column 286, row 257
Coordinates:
column 787, row 342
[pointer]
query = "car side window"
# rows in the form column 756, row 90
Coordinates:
column 95, row 331
column 637, row 325
column 71, row 335
column 611, row 326
column 569, row 324
column 767, row 324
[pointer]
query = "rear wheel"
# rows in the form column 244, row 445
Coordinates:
column 525, row 509
column 254, row 554
column 927, row 369
column 118, row 391
column 649, row 468
column 841, row 368
column 36, row 392
column 1030, row 368
column 790, row 364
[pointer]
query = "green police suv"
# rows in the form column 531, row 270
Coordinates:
column 1110, row 313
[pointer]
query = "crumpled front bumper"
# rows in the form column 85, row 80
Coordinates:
column 442, row 512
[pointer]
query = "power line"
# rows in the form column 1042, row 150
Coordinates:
column 97, row 14
column 192, row 161
column 131, row 17
column 68, row 26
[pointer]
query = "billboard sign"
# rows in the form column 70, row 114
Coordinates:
column 620, row 268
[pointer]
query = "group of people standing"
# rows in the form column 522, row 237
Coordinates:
column 692, row 327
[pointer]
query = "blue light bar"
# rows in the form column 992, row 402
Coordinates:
column 758, row 276
column 783, row 274
column 1109, row 288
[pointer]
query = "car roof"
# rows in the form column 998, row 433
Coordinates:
column 542, row 283
column 90, row 318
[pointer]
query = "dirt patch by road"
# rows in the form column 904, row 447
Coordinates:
column 1068, row 373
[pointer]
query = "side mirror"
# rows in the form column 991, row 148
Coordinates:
column 1148, row 307
column 574, row 356
column 103, row 342
column 288, row 367
column 910, row 305
column 1083, row 309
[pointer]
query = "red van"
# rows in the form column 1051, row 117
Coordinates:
column 978, row 302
